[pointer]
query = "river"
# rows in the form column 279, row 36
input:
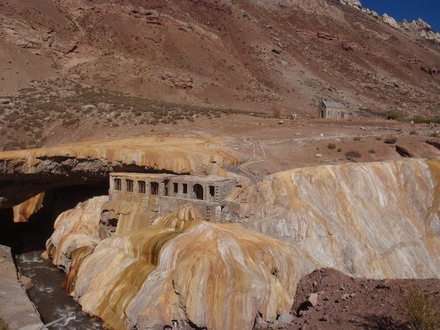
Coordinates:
column 47, row 294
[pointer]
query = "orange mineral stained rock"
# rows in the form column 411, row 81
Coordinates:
column 23, row 211
column 182, row 268
column 379, row 220
column 74, row 229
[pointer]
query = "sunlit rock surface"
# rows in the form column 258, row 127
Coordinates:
column 23, row 211
column 188, row 270
column 122, row 217
column 378, row 220
column 74, row 229
column 26, row 173
column 188, row 154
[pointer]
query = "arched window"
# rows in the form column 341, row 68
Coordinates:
column 198, row 191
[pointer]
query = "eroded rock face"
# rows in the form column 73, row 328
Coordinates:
column 74, row 229
column 353, row 3
column 184, row 269
column 379, row 220
column 23, row 211
column 26, row 173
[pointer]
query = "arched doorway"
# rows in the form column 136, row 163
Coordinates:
column 198, row 191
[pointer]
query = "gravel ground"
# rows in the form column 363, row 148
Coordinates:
column 329, row 299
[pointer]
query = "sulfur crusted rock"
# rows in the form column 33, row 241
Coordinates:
column 74, row 229
column 379, row 220
column 184, row 269
column 23, row 211
column 90, row 162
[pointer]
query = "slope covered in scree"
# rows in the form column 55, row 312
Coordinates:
column 247, row 54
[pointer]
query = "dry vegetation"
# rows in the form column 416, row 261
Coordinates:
column 421, row 311
column 24, row 119
column 3, row 324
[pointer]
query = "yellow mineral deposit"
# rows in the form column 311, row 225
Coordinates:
column 364, row 219
column 75, row 228
column 182, row 268
column 132, row 216
column 176, row 154
column 23, row 211
column 377, row 220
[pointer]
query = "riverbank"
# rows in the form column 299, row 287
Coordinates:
column 15, row 307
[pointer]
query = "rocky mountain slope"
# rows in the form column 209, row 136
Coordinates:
column 58, row 57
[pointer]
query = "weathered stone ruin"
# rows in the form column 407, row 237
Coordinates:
column 158, row 194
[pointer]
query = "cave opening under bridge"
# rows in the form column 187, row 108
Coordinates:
column 32, row 235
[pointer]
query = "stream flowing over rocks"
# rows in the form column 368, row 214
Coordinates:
column 52, row 301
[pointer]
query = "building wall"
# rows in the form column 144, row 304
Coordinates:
column 332, row 113
column 167, row 193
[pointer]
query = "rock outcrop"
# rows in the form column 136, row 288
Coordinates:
column 417, row 28
column 16, row 310
column 26, row 173
column 181, row 271
column 23, row 211
column 352, row 3
column 75, row 229
column 379, row 220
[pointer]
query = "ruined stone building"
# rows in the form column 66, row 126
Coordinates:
column 166, row 193
column 332, row 110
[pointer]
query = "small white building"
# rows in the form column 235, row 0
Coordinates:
column 332, row 110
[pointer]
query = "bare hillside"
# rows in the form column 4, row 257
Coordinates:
column 59, row 59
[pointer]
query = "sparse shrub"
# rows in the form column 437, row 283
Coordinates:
column 419, row 120
column 352, row 154
column 331, row 146
column 339, row 150
column 413, row 133
column 421, row 311
column 390, row 140
column 70, row 122
column 267, row 83
column 357, row 138
column 395, row 115
column 3, row 324
column 371, row 151
column 276, row 113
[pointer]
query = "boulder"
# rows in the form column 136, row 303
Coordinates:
column 390, row 21
column 313, row 299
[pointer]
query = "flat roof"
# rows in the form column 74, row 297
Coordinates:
column 141, row 175
column 189, row 178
